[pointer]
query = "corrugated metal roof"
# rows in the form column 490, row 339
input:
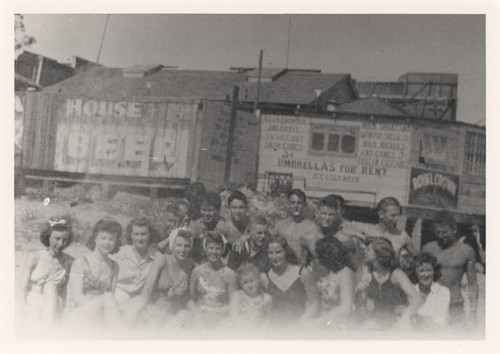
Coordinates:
column 293, row 87
column 443, row 78
column 371, row 106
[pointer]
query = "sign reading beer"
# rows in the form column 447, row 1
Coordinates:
column 435, row 189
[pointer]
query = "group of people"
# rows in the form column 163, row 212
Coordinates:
column 205, row 271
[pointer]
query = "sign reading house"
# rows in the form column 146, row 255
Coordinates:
column 434, row 189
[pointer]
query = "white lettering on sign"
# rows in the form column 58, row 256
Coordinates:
column 434, row 179
column 78, row 107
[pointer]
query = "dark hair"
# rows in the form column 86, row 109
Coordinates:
column 211, row 199
column 331, row 254
column 384, row 253
column 62, row 224
column 154, row 235
column 237, row 195
column 408, row 266
column 174, row 209
column 214, row 237
column 445, row 218
column 429, row 259
column 299, row 193
column 291, row 257
column 110, row 226
column 195, row 187
column 247, row 268
column 258, row 220
column 333, row 201
column 387, row 202
column 186, row 234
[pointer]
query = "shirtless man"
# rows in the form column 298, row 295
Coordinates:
column 389, row 210
column 300, row 233
column 237, row 226
column 330, row 220
column 456, row 258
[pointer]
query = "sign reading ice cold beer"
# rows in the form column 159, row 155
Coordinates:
column 340, row 155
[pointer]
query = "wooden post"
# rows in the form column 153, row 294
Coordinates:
column 153, row 192
column 46, row 186
column 258, row 81
column 230, row 138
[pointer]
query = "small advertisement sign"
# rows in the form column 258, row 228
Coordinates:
column 434, row 189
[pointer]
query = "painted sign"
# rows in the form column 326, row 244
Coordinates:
column 337, row 155
column 18, row 123
column 435, row 189
column 124, row 138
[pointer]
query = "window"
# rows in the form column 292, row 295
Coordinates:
column 433, row 149
column 475, row 154
column 337, row 140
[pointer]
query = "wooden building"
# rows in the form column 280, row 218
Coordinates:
column 369, row 149
column 159, row 126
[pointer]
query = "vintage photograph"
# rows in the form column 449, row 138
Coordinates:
column 263, row 176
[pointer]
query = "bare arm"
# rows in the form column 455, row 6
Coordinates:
column 114, row 277
column 346, row 294
column 312, row 305
column 162, row 245
column 28, row 268
column 152, row 278
column 414, row 299
column 410, row 245
column 472, row 288
column 193, row 280
column 76, row 280
column 234, row 307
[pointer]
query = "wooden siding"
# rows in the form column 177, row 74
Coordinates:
column 388, row 156
column 131, row 138
column 376, row 169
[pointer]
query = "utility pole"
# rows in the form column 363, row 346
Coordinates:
column 258, row 81
column 288, row 42
column 230, row 137
column 102, row 39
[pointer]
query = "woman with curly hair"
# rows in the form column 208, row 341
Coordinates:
column 292, row 287
column 212, row 283
column 434, row 312
column 134, row 261
column 45, row 273
column 335, row 283
column 93, row 278
column 391, row 299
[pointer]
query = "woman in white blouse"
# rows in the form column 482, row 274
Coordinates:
column 434, row 312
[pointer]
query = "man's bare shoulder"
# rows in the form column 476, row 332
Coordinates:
column 431, row 247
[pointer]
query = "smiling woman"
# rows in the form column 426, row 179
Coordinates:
column 93, row 279
column 45, row 273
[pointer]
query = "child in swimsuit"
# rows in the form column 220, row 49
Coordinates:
column 250, row 306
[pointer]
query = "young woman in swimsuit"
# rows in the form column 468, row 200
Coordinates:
column 93, row 279
column 45, row 273
column 291, row 286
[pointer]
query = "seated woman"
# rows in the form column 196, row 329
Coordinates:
column 434, row 312
column 93, row 277
column 134, row 260
column 291, row 287
column 212, row 283
column 390, row 298
column 45, row 273
column 250, row 306
column 166, row 287
column 335, row 284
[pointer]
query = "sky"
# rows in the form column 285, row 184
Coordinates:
column 369, row 47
